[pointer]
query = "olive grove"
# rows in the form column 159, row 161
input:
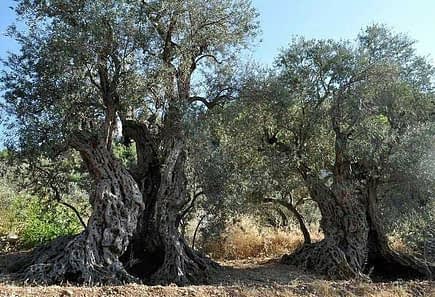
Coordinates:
column 147, row 106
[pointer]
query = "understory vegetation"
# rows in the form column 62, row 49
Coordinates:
column 28, row 221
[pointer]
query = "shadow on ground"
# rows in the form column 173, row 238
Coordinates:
column 241, row 278
column 259, row 272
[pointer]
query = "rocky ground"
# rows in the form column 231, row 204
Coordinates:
column 247, row 278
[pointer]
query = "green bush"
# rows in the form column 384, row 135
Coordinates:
column 416, row 229
column 34, row 219
column 39, row 222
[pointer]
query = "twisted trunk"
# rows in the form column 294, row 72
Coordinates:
column 159, row 254
column 93, row 257
column 355, row 244
column 145, row 253
column 181, row 265
column 342, row 253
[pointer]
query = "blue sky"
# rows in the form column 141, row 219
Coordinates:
column 338, row 19
column 342, row 19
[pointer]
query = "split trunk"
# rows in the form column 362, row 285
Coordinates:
column 159, row 253
column 355, row 244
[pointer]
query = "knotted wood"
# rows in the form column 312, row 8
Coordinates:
column 93, row 257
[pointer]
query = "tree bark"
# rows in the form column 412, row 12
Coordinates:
column 342, row 252
column 158, row 253
column 355, row 245
column 181, row 265
column 145, row 253
column 93, row 257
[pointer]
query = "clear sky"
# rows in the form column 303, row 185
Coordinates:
column 342, row 19
column 339, row 19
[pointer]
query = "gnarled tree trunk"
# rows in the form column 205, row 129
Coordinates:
column 343, row 251
column 93, row 257
column 159, row 254
column 145, row 253
column 355, row 245
column 181, row 265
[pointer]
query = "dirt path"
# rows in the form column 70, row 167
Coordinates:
column 244, row 278
column 259, row 272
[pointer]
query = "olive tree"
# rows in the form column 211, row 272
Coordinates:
column 92, row 73
column 342, row 120
column 369, row 97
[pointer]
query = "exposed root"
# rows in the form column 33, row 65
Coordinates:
column 331, row 261
column 68, row 259
column 324, row 258
column 183, row 266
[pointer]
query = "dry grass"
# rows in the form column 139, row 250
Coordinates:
column 324, row 288
column 400, row 245
column 6, row 222
column 395, row 292
column 246, row 239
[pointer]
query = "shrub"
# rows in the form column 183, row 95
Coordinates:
column 39, row 222
column 32, row 219
column 245, row 238
column 415, row 233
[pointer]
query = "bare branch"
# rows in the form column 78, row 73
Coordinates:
column 211, row 103
column 296, row 213
column 59, row 200
column 191, row 205
column 213, row 57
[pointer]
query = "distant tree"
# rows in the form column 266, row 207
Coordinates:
column 256, row 176
column 345, row 121
column 370, row 99
column 90, row 72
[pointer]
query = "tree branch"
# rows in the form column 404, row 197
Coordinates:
column 213, row 57
column 191, row 205
column 210, row 103
column 299, row 217
column 59, row 200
